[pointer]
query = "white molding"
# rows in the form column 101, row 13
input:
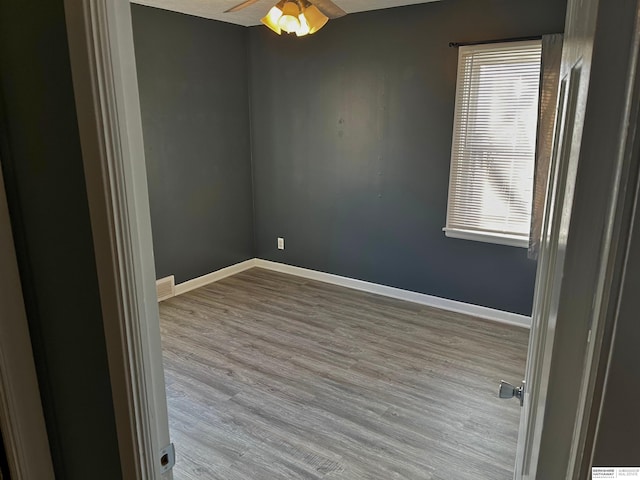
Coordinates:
column 487, row 237
column 21, row 417
column 172, row 287
column 109, row 120
column 214, row 276
column 485, row 313
column 421, row 298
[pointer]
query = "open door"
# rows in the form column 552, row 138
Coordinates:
column 583, row 226
column 549, row 276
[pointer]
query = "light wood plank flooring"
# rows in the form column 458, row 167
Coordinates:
column 271, row 377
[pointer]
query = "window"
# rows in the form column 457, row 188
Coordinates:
column 494, row 141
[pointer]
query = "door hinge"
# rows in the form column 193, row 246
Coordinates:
column 167, row 458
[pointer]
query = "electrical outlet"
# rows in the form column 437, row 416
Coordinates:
column 280, row 243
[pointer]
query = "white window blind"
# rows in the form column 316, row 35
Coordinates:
column 494, row 141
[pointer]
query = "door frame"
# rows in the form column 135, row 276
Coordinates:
column 106, row 93
column 21, row 417
column 108, row 107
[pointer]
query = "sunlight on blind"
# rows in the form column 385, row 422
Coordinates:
column 494, row 139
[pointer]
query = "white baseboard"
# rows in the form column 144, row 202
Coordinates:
column 421, row 298
column 214, row 276
column 165, row 287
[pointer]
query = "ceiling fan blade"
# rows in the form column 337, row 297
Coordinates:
column 240, row 6
column 329, row 8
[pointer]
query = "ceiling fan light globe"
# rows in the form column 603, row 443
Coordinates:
column 289, row 23
column 315, row 18
column 304, row 26
column 289, row 20
column 271, row 19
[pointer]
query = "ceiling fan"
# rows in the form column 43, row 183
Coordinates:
column 301, row 17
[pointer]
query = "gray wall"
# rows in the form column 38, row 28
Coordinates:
column 192, row 76
column 44, row 180
column 351, row 133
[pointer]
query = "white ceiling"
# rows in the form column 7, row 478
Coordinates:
column 251, row 15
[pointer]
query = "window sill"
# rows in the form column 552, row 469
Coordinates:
column 497, row 238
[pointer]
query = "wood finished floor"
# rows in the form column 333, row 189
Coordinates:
column 271, row 377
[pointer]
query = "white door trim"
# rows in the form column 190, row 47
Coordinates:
column 107, row 103
column 21, row 417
